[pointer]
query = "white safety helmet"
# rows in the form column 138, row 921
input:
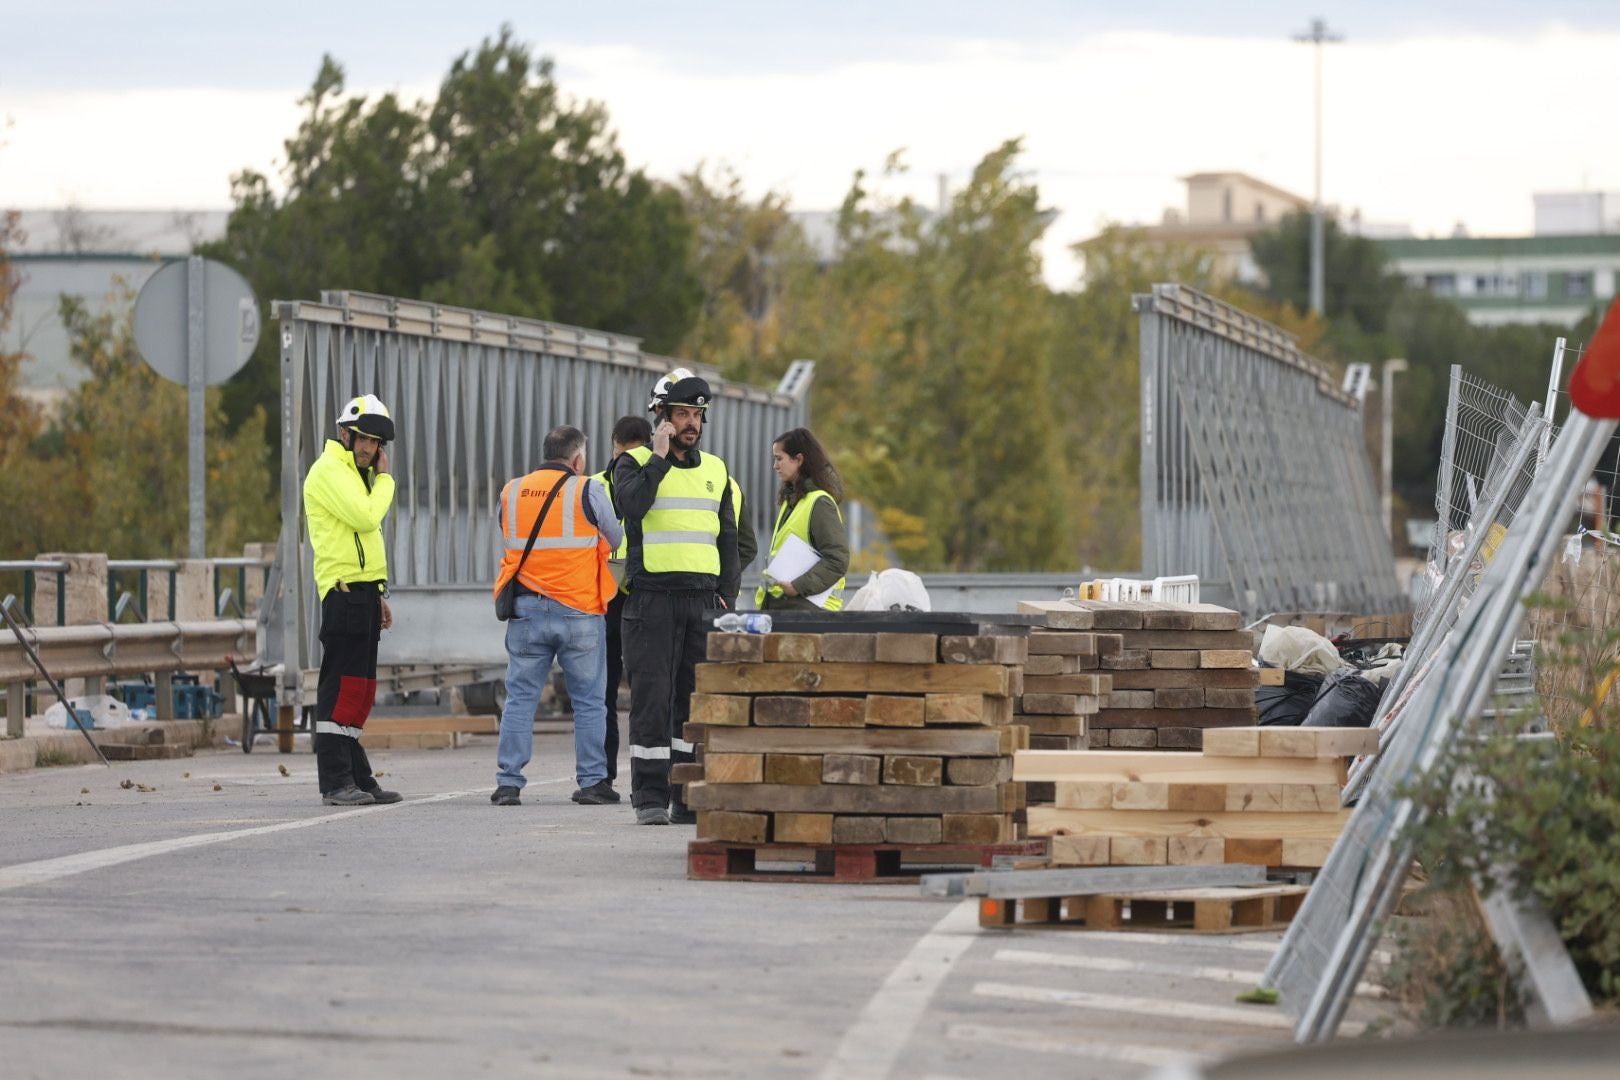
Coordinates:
column 367, row 415
column 681, row 387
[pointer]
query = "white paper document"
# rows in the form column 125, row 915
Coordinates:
column 793, row 560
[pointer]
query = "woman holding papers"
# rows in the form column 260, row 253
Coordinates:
column 809, row 548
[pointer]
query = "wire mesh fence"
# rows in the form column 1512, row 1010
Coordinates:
column 1483, row 426
column 1575, row 619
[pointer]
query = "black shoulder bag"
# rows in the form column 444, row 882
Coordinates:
column 506, row 599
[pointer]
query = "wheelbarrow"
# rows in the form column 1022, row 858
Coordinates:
column 258, row 687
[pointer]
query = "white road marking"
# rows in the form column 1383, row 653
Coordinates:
column 37, row 873
column 1253, row 1016
column 1042, row 1042
column 1246, row 976
column 872, row 1044
column 1213, row 941
column 1250, row 977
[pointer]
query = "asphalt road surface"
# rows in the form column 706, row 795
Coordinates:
column 224, row 923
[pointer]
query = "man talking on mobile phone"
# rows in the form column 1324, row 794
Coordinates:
column 680, row 521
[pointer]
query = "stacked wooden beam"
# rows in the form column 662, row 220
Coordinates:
column 1064, row 687
column 858, row 738
column 1180, row 669
column 1253, row 795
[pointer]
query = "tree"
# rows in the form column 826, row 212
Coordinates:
column 935, row 338
column 499, row 194
column 29, row 489
column 1357, row 283
column 756, row 270
column 124, row 459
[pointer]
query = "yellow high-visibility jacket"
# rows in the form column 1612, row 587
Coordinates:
column 345, row 519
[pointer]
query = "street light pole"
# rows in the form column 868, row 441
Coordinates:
column 1318, row 35
column 1388, row 395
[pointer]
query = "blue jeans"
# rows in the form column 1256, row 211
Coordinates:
column 542, row 630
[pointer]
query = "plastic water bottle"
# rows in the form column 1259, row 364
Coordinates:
column 736, row 622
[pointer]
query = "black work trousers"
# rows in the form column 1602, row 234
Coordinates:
column 664, row 640
column 615, row 676
column 351, row 624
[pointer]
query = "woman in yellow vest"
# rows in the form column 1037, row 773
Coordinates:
column 808, row 511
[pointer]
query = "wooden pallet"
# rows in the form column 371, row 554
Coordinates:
column 873, row 864
column 1201, row 910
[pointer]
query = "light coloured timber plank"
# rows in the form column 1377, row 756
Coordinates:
column 884, row 710
column 721, row 709
column 1079, row 851
column 853, row 678
column 1232, row 742
column 1225, row 658
column 733, row 768
column 733, row 827
column 1113, row 765
column 1314, row 742
column 1048, row 820
column 802, row 828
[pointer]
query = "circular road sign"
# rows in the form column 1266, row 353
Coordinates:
column 230, row 315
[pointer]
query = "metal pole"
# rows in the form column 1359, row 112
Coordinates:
column 1318, row 275
column 1388, row 394
column 1318, row 35
column 196, row 372
column 1554, row 377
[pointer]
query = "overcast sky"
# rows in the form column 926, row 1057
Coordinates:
column 1435, row 113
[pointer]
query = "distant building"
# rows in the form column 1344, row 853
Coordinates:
column 1577, row 213
column 1225, row 209
column 1556, row 276
column 97, row 256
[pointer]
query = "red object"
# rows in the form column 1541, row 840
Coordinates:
column 1594, row 387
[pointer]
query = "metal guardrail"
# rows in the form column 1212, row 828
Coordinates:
column 104, row 650
column 109, row 650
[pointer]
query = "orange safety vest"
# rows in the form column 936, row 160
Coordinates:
column 569, row 562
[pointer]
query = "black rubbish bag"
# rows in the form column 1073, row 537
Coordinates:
column 1348, row 699
column 1289, row 703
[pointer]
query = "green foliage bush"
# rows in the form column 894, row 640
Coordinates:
column 1547, row 812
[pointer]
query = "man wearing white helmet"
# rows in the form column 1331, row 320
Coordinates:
column 347, row 493
column 680, row 520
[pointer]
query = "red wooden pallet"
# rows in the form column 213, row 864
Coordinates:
column 876, row 864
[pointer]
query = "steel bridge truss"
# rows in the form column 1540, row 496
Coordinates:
column 1254, row 469
column 473, row 395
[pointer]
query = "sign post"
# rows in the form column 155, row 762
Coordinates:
column 196, row 323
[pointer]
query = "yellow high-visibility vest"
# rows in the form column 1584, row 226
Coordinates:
column 681, row 533
column 798, row 524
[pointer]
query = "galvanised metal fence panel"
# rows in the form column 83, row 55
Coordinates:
column 473, row 395
column 1325, row 949
column 1254, row 469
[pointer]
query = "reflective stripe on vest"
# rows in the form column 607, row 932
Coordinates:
column 681, row 531
column 798, row 524
column 569, row 562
